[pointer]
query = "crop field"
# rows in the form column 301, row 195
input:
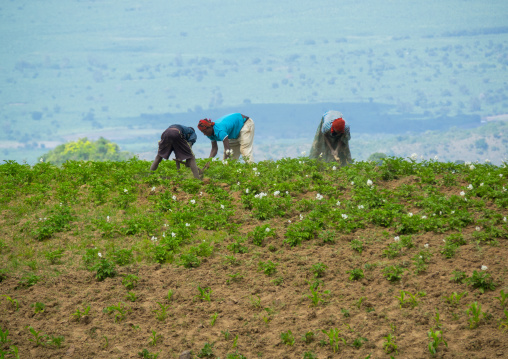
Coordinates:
column 293, row 258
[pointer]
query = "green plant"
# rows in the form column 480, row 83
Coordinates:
column 204, row 294
column 130, row 281
column 54, row 257
column 3, row 337
column 355, row 274
column 235, row 355
column 269, row 268
column 308, row 337
column 503, row 322
column 147, row 355
column 234, row 277
column 407, row 299
column 190, row 260
column 161, row 313
column 78, row 314
column 436, row 339
column 503, row 298
column 38, row 338
column 28, row 280
column 105, row 269
column 389, row 345
column 437, row 319
column 55, row 341
column 255, row 301
column 131, row 296
column 482, row 280
column 213, row 319
column 318, row 269
column 309, row 355
column 169, row 296
column 287, row 338
column 38, row 307
column 474, row 313
column 345, row 312
column 14, row 302
column 226, row 334
column 119, row 310
column 458, row 276
column 315, row 296
column 455, row 298
column 154, row 338
column 334, row 339
column 393, row 273
column 356, row 245
column 358, row 342
column 360, row 301
column 260, row 233
column 206, row 351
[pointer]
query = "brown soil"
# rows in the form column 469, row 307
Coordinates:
column 284, row 305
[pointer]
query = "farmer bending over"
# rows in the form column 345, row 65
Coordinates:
column 235, row 130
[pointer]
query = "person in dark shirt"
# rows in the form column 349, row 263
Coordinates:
column 178, row 139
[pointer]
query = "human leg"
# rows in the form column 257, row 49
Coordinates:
column 191, row 162
column 246, row 140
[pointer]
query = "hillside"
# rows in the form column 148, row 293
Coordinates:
column 281, row 259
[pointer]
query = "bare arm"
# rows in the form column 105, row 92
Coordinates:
column 225, row 141
column 214, row 150
column 334, row 151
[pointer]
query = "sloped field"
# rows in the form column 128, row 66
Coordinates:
column 286, row 259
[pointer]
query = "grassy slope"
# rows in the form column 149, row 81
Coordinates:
column 260, row 281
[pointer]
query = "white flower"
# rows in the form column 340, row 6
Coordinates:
column 504, row 219
column 99, row 254
column 289, row 221
column 267, row 229
column 276, row 193
column 426, row 245
column 334, row 168
column 224, row 162
column 125, row 190
column 338, row 203
column 247, row 190
column 472, row 167
column 173, row 234
column 154, row 239
column 237, row 183
column 254, row 169
column 414, row 156
column 452, row 212
column 410, row 214
column 470, row 187
column 484, row 267
column 500, row 175
column 304, row 153
column 369, row 183
column 481, row 184
column 462, row 193
column 257, row 173
column 222, row 206
column 467, row 163
column 187, row 225
column 107, row 218
column 424, row 217
column 478, row 229
column 504, row 189
column 396, row 239
column 321, row 155
column 301, row 217
column 487, row 160
column 200, row 193
column 193, row 201
column 42, row 160
column 174, row 198
column 352, row 183
column 319, row 197
column 436, row 158
column 360, row 206
column 153, row 188
column 344, row 216
column 287, row 192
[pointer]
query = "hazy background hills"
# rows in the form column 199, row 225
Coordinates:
column 127, row 69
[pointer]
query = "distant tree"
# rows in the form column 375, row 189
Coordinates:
column 377, row 157
column 86, row 150
column 481, row 144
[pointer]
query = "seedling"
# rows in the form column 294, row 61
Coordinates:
column 14, row 302
column 154, row 338
column 255, row 301
column 334, row 339
column 437, row 338
column 393, row 273
column 169, row 296
column 213, row 319
column 356, row 274
column 482, row 280
column 308, row 337
column 358, row 342
column 204, row 294
column 503, row 298
column 287, row 338
column 226, row 334
column 407, row 299
column 3, row 336
column 206, row 351
column 145, row 354
column 268, row 268
column 130, row 281
column 131, row 296
column 503, row 322
column 389, row 345
column 454, row 298
column 318, row 269
column 119, row 310
column 38, row 307
column 38, row 338
column 161, row 313
column 360, row 301
column 474, row 312
column 78, row 313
